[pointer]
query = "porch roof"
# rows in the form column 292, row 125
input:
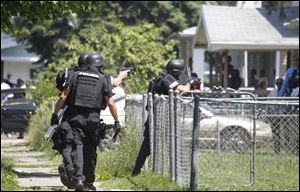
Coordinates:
column 233, row 28
column 15, row 52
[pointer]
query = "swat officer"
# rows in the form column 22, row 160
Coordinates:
column 84, row 95
column 160, row 85
column 63, row 137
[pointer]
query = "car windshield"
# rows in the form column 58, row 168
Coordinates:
column 11, row 97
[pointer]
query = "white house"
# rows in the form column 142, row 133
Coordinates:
column 252, row 37
column 16, row 60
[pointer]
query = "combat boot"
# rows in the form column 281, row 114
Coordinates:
column 79, row 186
column 89, row 187
column 63, row 175
column 135, row 172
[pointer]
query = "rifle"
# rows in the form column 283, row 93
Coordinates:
column 51, row 130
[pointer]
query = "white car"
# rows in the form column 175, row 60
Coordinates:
column 230, row 133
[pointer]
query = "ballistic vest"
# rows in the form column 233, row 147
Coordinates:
column 86, row 89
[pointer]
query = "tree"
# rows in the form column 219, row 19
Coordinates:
column 119, row 45
column 171, row 16
column 37, row 12
column 53, row 31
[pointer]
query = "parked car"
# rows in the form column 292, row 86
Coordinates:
column 16, row 108
column 230, row 133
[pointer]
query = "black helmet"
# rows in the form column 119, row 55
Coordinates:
column 82, row 60
column 95, row 59
column 175, row 67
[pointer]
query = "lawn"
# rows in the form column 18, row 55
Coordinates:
column 231, row 171
column 224, row 171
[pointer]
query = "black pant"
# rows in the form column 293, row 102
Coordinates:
column 84, row 123
column 144, row 150
column 67, row 144
column 89, row 161
column 276, row 132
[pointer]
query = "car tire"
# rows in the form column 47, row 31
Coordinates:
column 235, row 139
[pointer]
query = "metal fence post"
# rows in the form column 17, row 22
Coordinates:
column 144, row 116
column 195, row 145
column 176, row 154
column 151, row 128
column 254, row 146
column 172, row 136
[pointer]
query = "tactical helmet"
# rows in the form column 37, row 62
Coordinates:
column 95, row 59
column 82, row 60
column 175, row 67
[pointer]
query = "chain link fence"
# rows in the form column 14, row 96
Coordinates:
column 135, row 112
column 280, row 157
column 241, row 141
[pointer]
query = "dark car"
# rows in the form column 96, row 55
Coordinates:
column 16, row 108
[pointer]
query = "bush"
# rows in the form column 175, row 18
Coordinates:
column 8, row 178
column 38, row 125
column 120, row 161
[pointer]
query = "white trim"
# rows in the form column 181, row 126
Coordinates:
column 214, row 46
column 209, row 43
column 19, row 59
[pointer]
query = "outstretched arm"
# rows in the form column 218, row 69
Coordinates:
column 184, row 88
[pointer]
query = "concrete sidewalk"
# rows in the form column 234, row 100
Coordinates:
column 33, row 171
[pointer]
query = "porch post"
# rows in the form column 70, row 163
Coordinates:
column 246, row 68
column 225, row 68
column 277, row 64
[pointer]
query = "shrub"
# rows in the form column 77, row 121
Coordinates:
column 38, row 125
column 8, row 178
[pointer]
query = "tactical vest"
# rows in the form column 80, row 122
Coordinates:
column 153, row 88
column 86, row 89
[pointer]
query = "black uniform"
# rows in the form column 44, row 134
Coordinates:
column 63, row 137
column 87, row 90
column 64, row 140
column 161, row 85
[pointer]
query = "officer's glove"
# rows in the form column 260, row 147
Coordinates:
column 117, row 129
column 54, row 119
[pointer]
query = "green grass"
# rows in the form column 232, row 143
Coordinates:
column 8, row 178
column 216, row 171
column 224, row 171
column 119, row 162
column 227, row 171
column 144, row 182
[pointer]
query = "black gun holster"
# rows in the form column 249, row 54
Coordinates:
column 101, row 131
